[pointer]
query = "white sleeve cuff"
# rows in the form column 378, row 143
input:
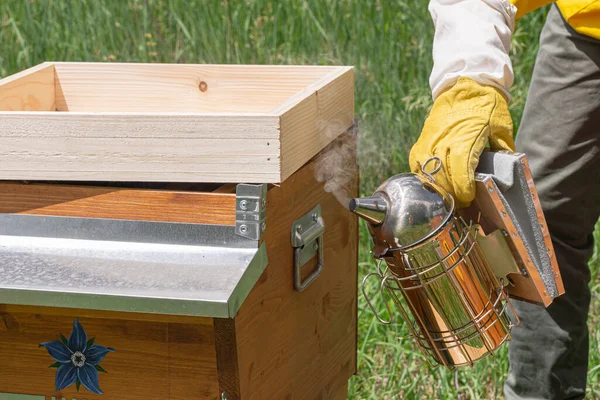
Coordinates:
column 472, row 39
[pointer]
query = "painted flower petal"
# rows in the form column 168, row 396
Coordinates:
column 89, row 378
column 66, row 375
column 78, row 338
column 58, row 351
column 96, row 353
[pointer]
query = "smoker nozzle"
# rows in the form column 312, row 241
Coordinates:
column 373, row 209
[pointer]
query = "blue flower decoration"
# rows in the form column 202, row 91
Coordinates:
column 77, row 359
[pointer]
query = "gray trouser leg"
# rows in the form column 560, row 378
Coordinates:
column 560, row 133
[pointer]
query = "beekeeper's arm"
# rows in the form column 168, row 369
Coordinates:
column 471, row 76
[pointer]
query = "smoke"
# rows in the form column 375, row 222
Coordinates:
column 379, row 155
column 336, row 165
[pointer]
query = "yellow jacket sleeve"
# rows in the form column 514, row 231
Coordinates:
column 525, row 6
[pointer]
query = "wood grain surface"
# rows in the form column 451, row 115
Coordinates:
column 487, row 208
column 326, row 111
column 123, row 87
column 301, row 345
column 117, row 203
column 227, row 357
column 29, row 90
column 154, row 359
column 171, row 123
column 171, row 147
column 342, row 393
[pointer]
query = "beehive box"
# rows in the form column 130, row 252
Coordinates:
column 169, row 123
column 171, row 240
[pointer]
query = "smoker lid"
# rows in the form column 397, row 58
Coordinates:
column 131, row 266
column 417, row 208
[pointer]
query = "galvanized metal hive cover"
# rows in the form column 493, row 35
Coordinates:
column 135, row 266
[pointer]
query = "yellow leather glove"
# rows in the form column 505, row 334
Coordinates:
column 461, row 121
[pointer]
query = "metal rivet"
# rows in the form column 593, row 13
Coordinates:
column 263, row 202
column 244, row 204
column 491, row 189
column 503, row 213
column 315, row 217
column 224, row 396
column 263, row 226
column 299, row 229
column 524, row 271
column 316, row 246
column 243, row 228
column 504, row 233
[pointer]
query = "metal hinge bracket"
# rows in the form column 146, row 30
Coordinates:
column 250, row 210
column 307, row 240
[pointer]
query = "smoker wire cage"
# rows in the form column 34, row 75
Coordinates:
column 459, row 307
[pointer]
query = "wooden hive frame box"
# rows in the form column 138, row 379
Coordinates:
column 169, row 122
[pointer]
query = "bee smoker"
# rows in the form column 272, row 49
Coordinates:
column 449, row 279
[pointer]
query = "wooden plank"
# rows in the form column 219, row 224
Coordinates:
column 226, row 188
column 154, row 122
column 488, row 209
column 192, row 362
column 152, row 360
column 102, row 87
column 176, row 126
column 142, row 147
column 100, row 314
column 29, row 90
column 309, row 90
column 310, row 125
column 301, row 344
column 342, row 394
column 227, row 363
column 116, row 203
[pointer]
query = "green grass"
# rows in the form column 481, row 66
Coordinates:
column 389, row 43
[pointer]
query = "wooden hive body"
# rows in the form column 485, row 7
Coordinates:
column 279, row 343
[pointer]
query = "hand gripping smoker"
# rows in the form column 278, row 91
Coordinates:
column 450, row 272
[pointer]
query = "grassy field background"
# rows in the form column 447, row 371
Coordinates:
column 389, row 43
